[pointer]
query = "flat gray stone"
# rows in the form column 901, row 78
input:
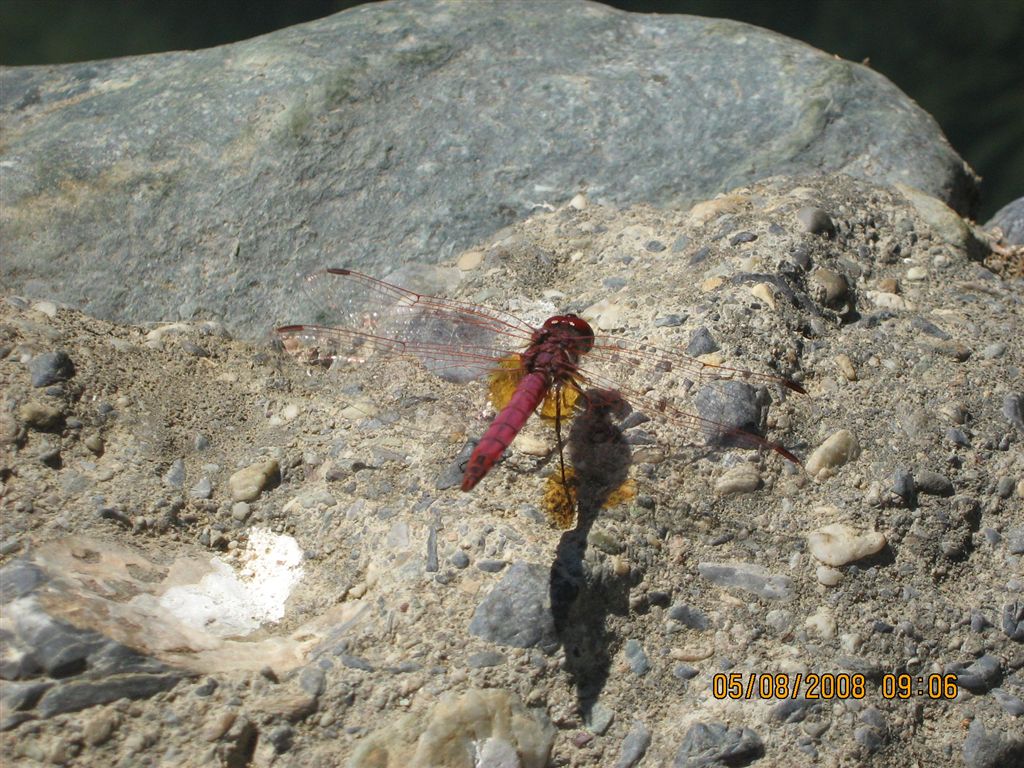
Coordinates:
column 716, row 744
column 986, row 747
column 735, row 405
column 517, row 612
column 749, row 578
column 50, row 367
column 246, row 163
column 979, row 676
column 82, row 694
column 634, row 745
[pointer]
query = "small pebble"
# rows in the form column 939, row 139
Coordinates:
column 240, row 511
column 175, row 476
column 247, row 484
column 828, row 577
column 100, row 727
column 1013, row 410
column 837, row 544
column 822, row 622
column 954, row 350
column 281, row 737
column 12, row 544
column 579, row 741
column 491, row 566
column 50, row 368
column 846, row 367
column 903, row 485
column 742, row 479
column 48, row 308
column 471, row 259
column 994, row 350
column 933, row 483
column 779, row 620
column 193, row 349
column 10, row 431
column 636, row 658
column 599, row 719
column 815, row 221
column 1011, row 704
column 1012, row 620
column 840, row 448
column 832, row 285
column 958, row 437
column 40, row 416
column 95, row 444
column 701, row 343
column 607, row 314
column 690, row 617
column 685, row 671
column 49, row 454
column 717, row 744
column 219, row 724
column 634, row 746
column 202, row 490
column 700, row 255
column 978, row 622
column 978, row 677
column 748, row 577
column 765, row 293
column 929, row 328
column 669, row 321
column 483, row 659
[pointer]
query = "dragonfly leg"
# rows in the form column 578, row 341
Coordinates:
column 567, row 477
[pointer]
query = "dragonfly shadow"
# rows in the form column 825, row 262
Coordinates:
column 584, row 594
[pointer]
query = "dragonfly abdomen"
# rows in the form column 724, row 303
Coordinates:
column 531, row 390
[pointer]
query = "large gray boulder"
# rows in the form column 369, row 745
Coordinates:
column 197, row 184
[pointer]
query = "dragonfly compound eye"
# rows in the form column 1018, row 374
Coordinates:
column 575, row 325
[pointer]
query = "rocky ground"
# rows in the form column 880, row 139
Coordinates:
column 428, row 627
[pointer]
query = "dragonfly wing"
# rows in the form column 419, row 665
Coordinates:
column 340, row 347
column 649, row 362
column 670, row 385
column 360, row 316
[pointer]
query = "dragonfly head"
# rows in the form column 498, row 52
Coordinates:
column 570, row 324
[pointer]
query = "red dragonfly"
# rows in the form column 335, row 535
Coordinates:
column 529, row 368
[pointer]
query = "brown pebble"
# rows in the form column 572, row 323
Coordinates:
column 101, row 727
column 954, row 349
column 40, row 415
column 10, row 431
column 247, row 484
column 217, row 726
column 832, row 285
column 293, row 705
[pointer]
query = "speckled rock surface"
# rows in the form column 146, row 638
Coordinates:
column 653, row 648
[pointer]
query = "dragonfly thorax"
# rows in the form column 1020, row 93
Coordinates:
column 557, row 346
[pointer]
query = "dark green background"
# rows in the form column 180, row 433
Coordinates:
column 962, row 60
